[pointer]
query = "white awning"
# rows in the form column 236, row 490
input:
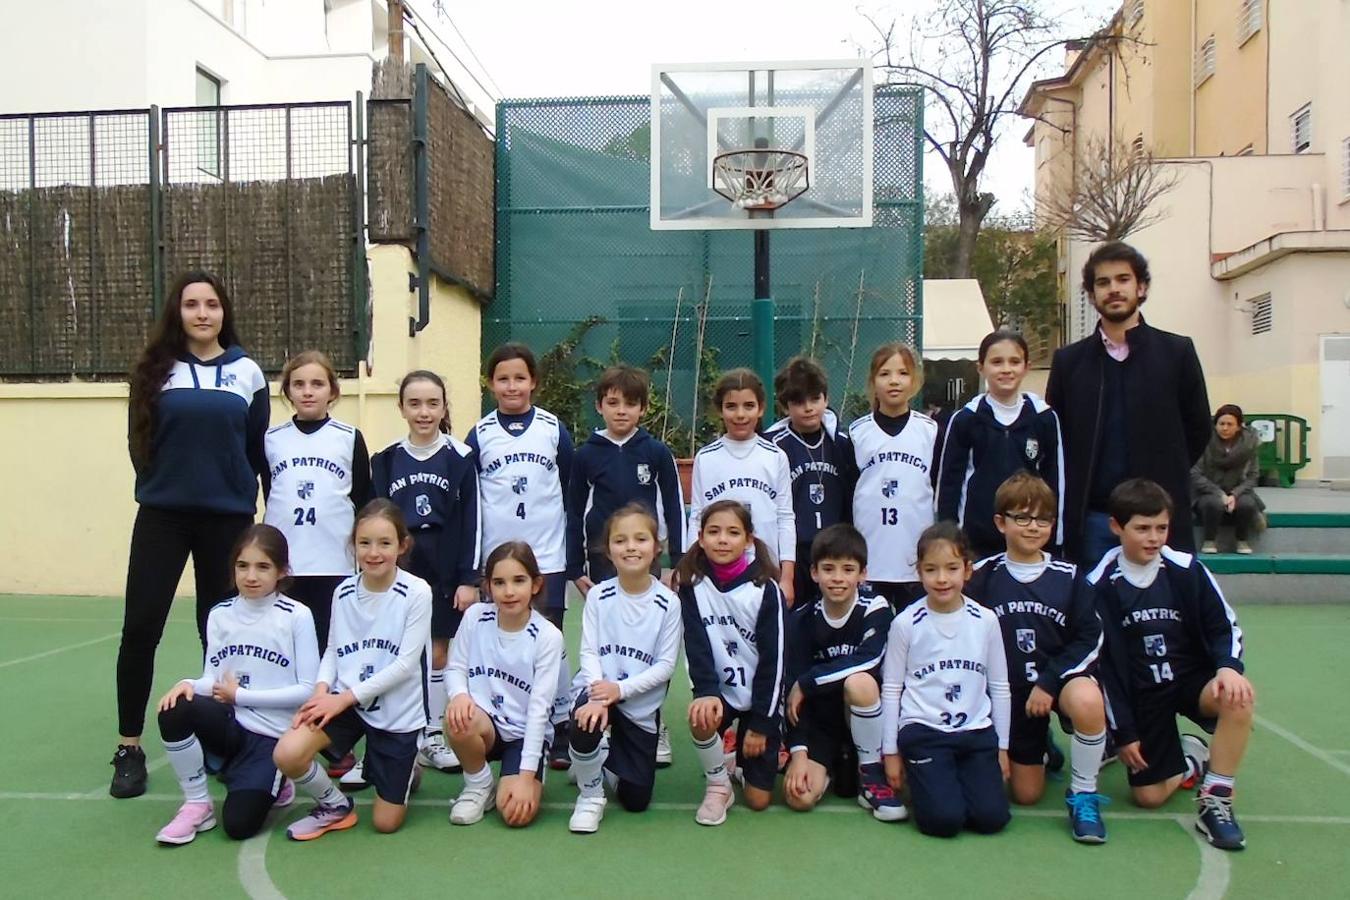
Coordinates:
column 955, row 318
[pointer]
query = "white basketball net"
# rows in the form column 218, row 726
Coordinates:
column 762, row 178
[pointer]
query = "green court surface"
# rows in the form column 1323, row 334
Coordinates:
column 63, row 835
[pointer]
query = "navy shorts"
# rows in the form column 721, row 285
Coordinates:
column 445, row 618
column 1028, row 736
column 555, row 591
column 632, row 748
column 824, row 726
column 1155, row 721
column 390, row 755
column 759, row 771
column 251, row 767
column 507, row 752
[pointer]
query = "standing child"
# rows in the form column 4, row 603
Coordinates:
column 733, row 641
column 1001, row 431
column 1051, row 638
column 741, row 465
column 432, row 478
column 893, row 453
column 835, row 646
column 371, row 682
column 261, row 660
column 820, row 460
column 318, row 476
column 630, row 639
column 504, row 678
column 944, row 698
column 1172, row 647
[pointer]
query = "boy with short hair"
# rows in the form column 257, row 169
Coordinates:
column 617, row 465
column 835, row 647
column 820, row 459
column 1052, row 638
column 1172, row 646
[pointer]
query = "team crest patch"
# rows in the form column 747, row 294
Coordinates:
column 1033, row 448
column 644, row 473
column 1026, row 640
column 1155, row 645
column 367, row 671
column 953, row 693
column 498, row 701
column 423, row 505
column 305, row 490
column 228, row 379
column 731, row 646
column 890, row 488
column 817, row 493
column 519, row 484
column 243, row 679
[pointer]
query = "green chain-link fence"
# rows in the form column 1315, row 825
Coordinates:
column 578, row 262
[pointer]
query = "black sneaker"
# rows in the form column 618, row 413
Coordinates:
column 129, row 774
column 1216, row 820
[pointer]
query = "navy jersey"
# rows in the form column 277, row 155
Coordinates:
column 822, row 652
column 822, row 473
column 439, row 498
column 606, row 476
column 1051, row 632
column 1177, row 627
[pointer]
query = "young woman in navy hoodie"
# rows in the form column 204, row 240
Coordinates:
column 198, row 414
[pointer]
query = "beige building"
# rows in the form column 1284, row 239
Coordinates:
column 1247, row 104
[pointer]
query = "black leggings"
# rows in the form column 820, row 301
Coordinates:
column 632, row 797
column 214, row 724
column 316, row 592
column 161, row 542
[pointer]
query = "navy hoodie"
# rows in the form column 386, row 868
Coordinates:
column 980, row 453
column 206, row 450
column 606, row 476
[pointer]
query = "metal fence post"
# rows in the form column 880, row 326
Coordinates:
column 32, row 252
column 156, row 219
column 94, row 354
column 359, row 288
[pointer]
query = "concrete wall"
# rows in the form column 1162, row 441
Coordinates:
column 1230, row 107
column 70, row 502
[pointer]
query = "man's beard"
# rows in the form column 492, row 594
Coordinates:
column 1117, row 316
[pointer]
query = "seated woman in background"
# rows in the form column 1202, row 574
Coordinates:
column 1223, row 482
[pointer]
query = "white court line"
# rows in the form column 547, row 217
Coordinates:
column 1324, row 756
column 843, row 809
column 46, row 653
column 252, row 867
column 1215, row 869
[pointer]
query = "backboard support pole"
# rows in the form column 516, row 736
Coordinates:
column 761, row 319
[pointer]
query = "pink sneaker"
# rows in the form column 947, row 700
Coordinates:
column 191, row 819
column 286, row 796
column 716, row 801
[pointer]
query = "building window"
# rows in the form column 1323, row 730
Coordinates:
column 1136, row 12
column 1249, row 19
column 1261, row 314
column 1137, row 147
column 208, row 124
column 1301, row 128
column 1204, row 61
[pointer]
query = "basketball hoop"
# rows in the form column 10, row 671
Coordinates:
column 761, row 178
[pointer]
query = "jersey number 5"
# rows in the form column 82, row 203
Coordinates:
column 304, row 516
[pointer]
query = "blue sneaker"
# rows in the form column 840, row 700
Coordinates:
column 876, row 795
column 1216, row 820
column 1085, row 817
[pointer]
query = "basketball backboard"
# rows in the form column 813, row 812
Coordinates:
column 819, row 109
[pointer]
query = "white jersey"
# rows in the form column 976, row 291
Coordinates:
column 946, row 671
column 379, row 648
column 893, row 498
column 311, row 496
column 632, row 641
column 269, row 645
column 520, row 487
column 500, row 671
column 755, row 472
column 734, row 645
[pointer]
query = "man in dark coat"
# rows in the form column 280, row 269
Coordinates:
column 1131, row 403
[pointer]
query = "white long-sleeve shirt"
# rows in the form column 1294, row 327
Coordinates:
column 755, row 472
column 269, row 645
column 632, row 641
column 378, row 648
column 513, row 676
column 946, row 671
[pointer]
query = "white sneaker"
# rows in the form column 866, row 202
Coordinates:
column 1194, row 748
column 664, row 756
column 472, row 803
column 354, row 779
column 435, row 754
column 1209, row 547
column 587, row 815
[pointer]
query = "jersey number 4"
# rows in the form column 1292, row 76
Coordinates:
column 304, row 516
column 520, row 510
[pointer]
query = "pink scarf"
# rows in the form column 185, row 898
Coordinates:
column 727, row 572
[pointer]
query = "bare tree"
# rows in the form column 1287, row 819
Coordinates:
column 973, row 58
column 1114, row 194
